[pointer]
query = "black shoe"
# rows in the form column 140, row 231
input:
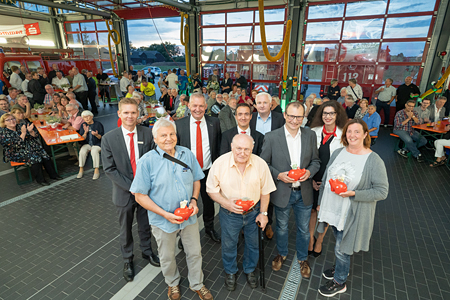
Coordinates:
column 230, row 281
column 419, row 158
column 213, row 235
column 128, row 271
column 252, row 280
column 331, row 288
column 57, row 178
column 329, row 274
column 44, row 183
column 180, row 245
column 403, row 153
column 153, row 259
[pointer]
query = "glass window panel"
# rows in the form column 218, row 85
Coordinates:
column 29, row 6
column 362, row 29
column 73, row 39
column 213, row 19
column 33, row 65
column 239, row 53
column 210, row 53
column 258, row 53
column 366, row 8
column 410, row 27
column 207, row 69
column 87, row 26
column 271, row 15
column 397, row 73
column 312, row 73
column 78, row 52
column 323, row 31
column 359, row 52
column 274, row 33
column 106, row 65
column 103, row 38
column 213, row 35
column 326, row 11
column 243, row 69
column 402, row 52
column 102, row 26
column 401, row 6
column 269, row 87
column 91, row 53
column 239, row 34
column 8, row 64
column 267, row 71
column 240, row 17
column 89, row 39
column 308, row 89
column 104, row 52
column 364, row 74
column 320, row 52
column 73, row 27
column 41, row 8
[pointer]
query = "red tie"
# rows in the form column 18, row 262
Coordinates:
column 132, row 155
column 199, row 145
column 171, row 102
column 243, row 132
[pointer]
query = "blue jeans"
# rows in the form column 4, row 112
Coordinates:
column 412, row 143
column 147, row 98
column 231, row 225
column 342, row 267
column 302, row 215
column 386, row 108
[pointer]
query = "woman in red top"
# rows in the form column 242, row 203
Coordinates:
column 245, row 99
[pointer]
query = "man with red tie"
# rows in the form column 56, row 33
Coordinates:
column 121, row 150
column 202, row 135
column 169, row 102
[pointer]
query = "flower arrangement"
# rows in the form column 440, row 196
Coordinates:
column 53, row 121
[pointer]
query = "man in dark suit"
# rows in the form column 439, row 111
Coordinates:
column 282, row 149
column 121, row 150
column 243, row 117
column 264, row 121
column 202, row 135
column 139, row 77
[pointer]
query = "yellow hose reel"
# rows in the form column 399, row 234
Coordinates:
column 116, row 42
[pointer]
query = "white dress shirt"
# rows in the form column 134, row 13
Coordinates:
column 56, row 81
column 15, row 81
column 25, row 89
column 437, row 111
column 171, row 80
column 294, row 147
column 205, row 141
column 125, row 133
column 124, row 82
column 247, row 132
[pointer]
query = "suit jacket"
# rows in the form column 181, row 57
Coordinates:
column 433, row 110
column 227, row 119
column 277, row 120
column 228, row 136
column 37, row 90
column 275, row 152
column 116, row 162
column 214, row 134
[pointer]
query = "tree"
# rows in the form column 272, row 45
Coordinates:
column 173, row 50
column 131, row 46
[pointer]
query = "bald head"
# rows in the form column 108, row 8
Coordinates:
column 242, row 147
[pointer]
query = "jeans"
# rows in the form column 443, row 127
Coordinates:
column 231, row 225
column 412, row 143
column 148, row 98
column 342, row 267
column 387, row 110
column 302, row 215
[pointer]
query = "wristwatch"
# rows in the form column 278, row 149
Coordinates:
column 264, row 213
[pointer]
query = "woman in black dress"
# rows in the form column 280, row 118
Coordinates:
column 328, row 122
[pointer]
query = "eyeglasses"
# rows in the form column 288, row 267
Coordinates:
column 291, row 118
column 331, row 114
column 10, row 120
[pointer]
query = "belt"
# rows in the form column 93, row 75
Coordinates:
column 297, row 188
column 248, row 211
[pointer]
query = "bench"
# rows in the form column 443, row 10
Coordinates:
column 16, row 167
column 397, row 144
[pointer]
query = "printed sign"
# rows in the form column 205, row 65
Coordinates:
column 19, row 30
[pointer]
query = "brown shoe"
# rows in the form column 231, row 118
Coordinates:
column 174, row 293
column 278, row 262
column 204, row 293
column 305, row 270
column 269, row 232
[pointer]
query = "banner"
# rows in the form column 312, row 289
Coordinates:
column 19, row 30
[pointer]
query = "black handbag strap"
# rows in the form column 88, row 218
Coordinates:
column 173, row 159
column 354, row 93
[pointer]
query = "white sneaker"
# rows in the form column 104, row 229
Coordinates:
column 80, row 175
column 96, row 176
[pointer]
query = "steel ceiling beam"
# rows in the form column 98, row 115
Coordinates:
column 70, row 7
column 182, row 6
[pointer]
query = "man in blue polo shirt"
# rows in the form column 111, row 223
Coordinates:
column 373, row 120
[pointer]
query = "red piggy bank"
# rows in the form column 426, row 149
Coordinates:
column 337, row 186
column 296, row 174
column 185, row 213
column 245, row 204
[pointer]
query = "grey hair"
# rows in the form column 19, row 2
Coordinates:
column 263, row 94
column 372, row 105
column 69, row 94
column 344, row 88
column 21, row 96
column 136, row 94
column 162, row 123
column 49, row 85
column 86, row 113
column 352, row 80
column 237, row 136
column 277, row 99
column 317, row 101
column 71, row 106
column 442, row 98
column 350, row 97
column 197, row 95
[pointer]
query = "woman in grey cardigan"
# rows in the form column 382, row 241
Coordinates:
column 350, row 214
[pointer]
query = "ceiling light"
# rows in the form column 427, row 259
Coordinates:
column 40, row 43
column 2, row 40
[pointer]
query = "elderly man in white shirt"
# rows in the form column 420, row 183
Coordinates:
column 124, row 82
column 14, row 79
column 354, row 90
column 58, row 80
column 437, row 111
column 172, row 79
column 25, row 86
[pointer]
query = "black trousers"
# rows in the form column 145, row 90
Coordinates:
column 208, row 204
column 126, row 216
column 386, row 108
column 91, row 97
column 36, row 170
column 104, row 91
column 83, row 98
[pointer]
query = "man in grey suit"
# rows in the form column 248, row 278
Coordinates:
column 121, row 150
column 226, row 115
column 282, row 149
column 437, row 111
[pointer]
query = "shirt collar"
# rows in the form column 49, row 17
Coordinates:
column 194, row 120
column 126, row 132
column 286, row 133
column 246, row 131
column 161, row 152
column 270, row 115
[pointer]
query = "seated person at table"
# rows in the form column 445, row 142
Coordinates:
column 59, row 80
column 48, row 99
column 4, row 105
column 130, row 89
column 437, row 111
column 12, row 95
column 404, row 120
column 62, row 113
column 73, row 123
column 350, row 107
column 363, row 109
column 92, row 132
column 164, row 95
column 440, row 148
column 20, row 145
column 169, row 100
column 341, row 99
column 424, row 111
column 148, row 89
column 182, row 109
column 373, row 120
column 143, row 113
column 56, row 102
column 24, row 104
column 19, row 114
column 177, row 102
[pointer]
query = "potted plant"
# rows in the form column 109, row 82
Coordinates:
column 39, row 108
column 158, row 115
column 65, row 87
column 53, row 121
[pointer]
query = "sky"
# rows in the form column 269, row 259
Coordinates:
column 143, row 33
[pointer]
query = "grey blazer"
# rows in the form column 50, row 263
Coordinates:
column 432, row 111
column 116, row 162
column 275, row 152
column 227, row 119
